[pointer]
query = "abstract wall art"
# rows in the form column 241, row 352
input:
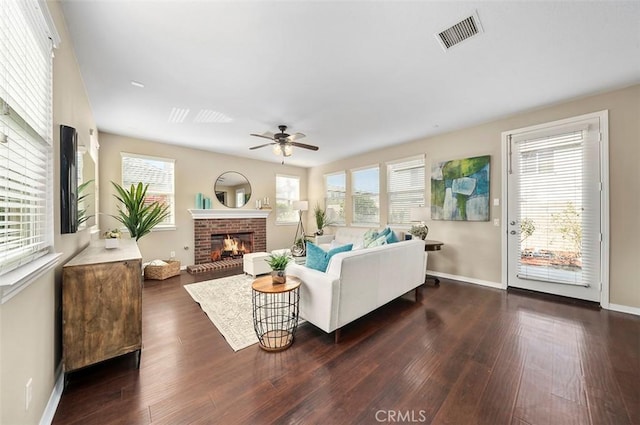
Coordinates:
column 460, row 189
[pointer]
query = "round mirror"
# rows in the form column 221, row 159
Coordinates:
column 232, row 189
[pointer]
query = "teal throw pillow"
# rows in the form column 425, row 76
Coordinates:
column 391, row 237
column 385, row 231
column 318, row 258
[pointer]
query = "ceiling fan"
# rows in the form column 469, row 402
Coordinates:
column 282, row 142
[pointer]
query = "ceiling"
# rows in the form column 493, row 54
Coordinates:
column 351, row 75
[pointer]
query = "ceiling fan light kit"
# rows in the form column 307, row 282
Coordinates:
column 282, row 142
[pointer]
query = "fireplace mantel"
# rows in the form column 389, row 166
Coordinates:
column 228, row 213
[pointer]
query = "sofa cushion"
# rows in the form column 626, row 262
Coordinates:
column 370, row 236
column 318, row 258
column 391, row 237
column 380, row 240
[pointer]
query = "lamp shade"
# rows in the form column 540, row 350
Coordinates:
column 420, row 214
column 300, row 205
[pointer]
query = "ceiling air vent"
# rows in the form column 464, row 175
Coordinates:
column 459, row 32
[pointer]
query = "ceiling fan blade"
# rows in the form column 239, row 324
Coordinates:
column 296, row 136
column 305, row 146
column 261, row 146
column 267, row 135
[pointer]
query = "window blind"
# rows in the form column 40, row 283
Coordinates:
column 158, row 173
column 365, row 191
column 26, row 213
column 335, row 196
column 405, row 189
column 559, row 208
column 287, row 191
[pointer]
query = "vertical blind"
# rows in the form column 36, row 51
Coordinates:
column 335, row 195
column 559, row 214
column 158, row 173
column 365, row 184
column 405, row 189
column 26, row 225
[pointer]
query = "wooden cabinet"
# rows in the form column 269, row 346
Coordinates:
column 101, row 304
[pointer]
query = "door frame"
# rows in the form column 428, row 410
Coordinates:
column 603, row 117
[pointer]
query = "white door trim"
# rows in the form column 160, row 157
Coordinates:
column 603, row 117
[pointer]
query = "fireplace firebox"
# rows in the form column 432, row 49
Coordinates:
column 226, row 246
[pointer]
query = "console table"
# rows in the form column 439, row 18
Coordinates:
column 431, row 245
column 101, row 304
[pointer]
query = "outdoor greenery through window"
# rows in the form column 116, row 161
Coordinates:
column 158, row 173
column 405, row 188
column 365, row 193
column 287, row 191
column 335, row 195
column 26, row 178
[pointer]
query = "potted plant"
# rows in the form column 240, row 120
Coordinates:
column 322, row 219
column 419, row 231
column 278, row 263
column 138, row 216
column 111, row 238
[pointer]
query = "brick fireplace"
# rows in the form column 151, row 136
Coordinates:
column 210, row 225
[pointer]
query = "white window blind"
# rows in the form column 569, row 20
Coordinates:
column 559, row 207
column 158, row 173
column 365, row 189
column 405, row 188
column 335, row 195
column 287, row 191
column 26, row 181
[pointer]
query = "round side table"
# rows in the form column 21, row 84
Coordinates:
column 275, row 312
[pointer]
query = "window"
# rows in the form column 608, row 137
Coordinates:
column 365, row 192
column 287, row 191
column 405, row 188
column 158, row 173
column 335, row 195
column 26, row 178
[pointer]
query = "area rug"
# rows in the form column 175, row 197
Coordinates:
column 227, row 302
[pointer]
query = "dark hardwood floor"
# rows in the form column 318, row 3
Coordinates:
column 463, row 354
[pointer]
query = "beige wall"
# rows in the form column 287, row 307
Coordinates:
column 473, row 249
column 30, row 328
column 195, row 171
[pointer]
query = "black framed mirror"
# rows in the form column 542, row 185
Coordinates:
column 232, row 189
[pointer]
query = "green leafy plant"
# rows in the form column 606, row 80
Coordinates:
column 421, row 231
column 82, row 213
column 278, row 262
column 527, row 228
column 322, row 218
column 138, row 216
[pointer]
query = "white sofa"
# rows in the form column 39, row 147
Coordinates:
column 358, row 282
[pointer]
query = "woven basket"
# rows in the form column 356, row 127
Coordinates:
column 162, row 272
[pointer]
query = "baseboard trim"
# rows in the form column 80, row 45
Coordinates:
column 613, row 307
column 54, row 399
column 466, row 279
column 624, row 309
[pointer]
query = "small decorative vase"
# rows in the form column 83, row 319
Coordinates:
column 111, row 243
column 278, row 276
column 320, row 232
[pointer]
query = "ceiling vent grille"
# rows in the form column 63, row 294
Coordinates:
column 459, row 32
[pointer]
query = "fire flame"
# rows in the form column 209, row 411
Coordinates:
column 230, row 245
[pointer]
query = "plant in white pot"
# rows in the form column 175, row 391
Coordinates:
column 138, row 216
column 278, row 263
